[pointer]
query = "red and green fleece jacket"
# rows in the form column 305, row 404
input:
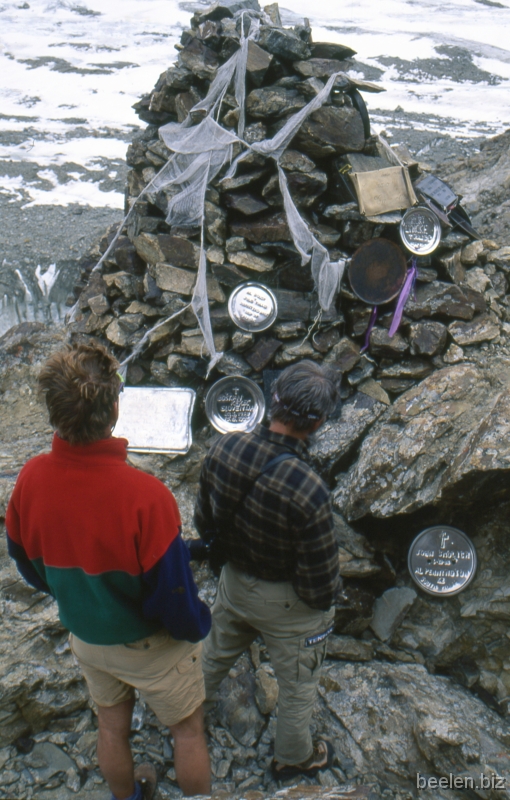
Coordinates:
column 104, row 539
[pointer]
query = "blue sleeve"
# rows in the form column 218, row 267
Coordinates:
column 25, row 566
column 171, row 595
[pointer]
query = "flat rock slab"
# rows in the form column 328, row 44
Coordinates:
column 445, row 299
column 397, row 720
column 481, row 329
column 453, row 427
column 335, row 438
column 330, row 131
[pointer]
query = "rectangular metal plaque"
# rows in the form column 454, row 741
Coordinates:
column 156, row 420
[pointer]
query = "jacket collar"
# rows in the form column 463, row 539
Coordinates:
column 298, row 446
column 111, row 449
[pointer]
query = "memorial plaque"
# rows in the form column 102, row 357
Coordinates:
column 442, row 560
column 156, row 420
column 234, row 403
column 420, row 231
column 252, row 307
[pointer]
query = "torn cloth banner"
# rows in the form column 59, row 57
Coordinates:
column 199, row 154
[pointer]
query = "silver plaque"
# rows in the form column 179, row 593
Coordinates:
column 442, row 560
column 234, row 403
column 156, row 420
column 420, row 230
column 252, row 306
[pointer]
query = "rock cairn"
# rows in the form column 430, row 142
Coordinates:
column 150, row 273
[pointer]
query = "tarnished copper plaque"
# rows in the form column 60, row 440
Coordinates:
column 442, row 560
column 377, row 271
column 156, row 420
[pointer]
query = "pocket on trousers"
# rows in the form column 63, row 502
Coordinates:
column 188, row 663
column 310, row 660
column 282, row 606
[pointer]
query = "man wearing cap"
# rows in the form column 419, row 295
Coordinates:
column 270, row 514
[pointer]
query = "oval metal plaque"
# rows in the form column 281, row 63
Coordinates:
column 234, row 403
column 442, row 560
column 252, row 306
column 420, row 230
column 377, row 271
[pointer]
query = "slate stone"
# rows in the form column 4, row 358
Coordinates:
column 374, row 389
column 176, row 77
column 233, row 364
column 162, row 247
column 407, row 368
column 329, row 131
column 228, row 275
column 266, row 228
column 258, row 63
column 330, row 50
column 283, row 43
column 241, row 341
column 273, row 102
column 99, row 304
column 289, row 330
column 193, row 343
column 326, row 235
column 471, row 252
column 320, row 67
column 306, row 188
column 324, row 340
column 482, row 328
column 230, row 184
column 173, row 279
column 381, row 344
column 262, row 353
column 396, row 385
column 295, row 351
column 346, row 648
column 427, row 338
column 477, row 279
column 200, row 59
column 336, row 437
column 363, row 370
column 390, row 609
column 250, row 261
column 245, row 203
column 344, row 355
column 184, row 102
column 453, row 267
column 215, row 223
column 353, row 609
column 120, row 284
column 444, row 299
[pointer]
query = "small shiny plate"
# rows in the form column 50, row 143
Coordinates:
column 156, row 420
column 234, row 403
column 252, row 307
column 442, row 560
column 420, row 230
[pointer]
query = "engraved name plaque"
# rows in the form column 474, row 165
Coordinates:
column 442, row 560
column 156, row 420
column 252, row 306
column 234, row 403
column 420, row 230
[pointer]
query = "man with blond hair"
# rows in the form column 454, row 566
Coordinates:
column 104, row 540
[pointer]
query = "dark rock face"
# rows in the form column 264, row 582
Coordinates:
column 329, row 131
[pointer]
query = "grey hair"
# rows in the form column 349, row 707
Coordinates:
column 304, row 393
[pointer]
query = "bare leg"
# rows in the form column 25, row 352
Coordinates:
column 192, row 765
column 113, row 750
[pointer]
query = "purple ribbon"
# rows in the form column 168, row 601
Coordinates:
column 373, row 317
column 407, row 288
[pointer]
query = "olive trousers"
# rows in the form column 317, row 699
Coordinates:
column 294, row 635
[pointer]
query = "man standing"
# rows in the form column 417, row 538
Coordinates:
column 104, row 539
column 270, row 513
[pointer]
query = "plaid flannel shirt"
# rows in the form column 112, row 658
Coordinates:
column 284, row 530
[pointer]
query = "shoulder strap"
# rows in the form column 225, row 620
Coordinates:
column 270, row 464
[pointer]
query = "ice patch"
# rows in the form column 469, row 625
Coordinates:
column 80, row 192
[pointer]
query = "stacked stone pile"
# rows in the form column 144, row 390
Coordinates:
column 460, row 298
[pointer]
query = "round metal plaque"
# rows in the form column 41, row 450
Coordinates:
column 234, row 403
column 420, row 230
column 442, row 560
column 252, row 306
column 377, row 271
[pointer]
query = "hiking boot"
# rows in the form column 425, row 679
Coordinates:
column 321, row 758
column 147, row 777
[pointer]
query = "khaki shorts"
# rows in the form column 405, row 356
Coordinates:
column 166, row 672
